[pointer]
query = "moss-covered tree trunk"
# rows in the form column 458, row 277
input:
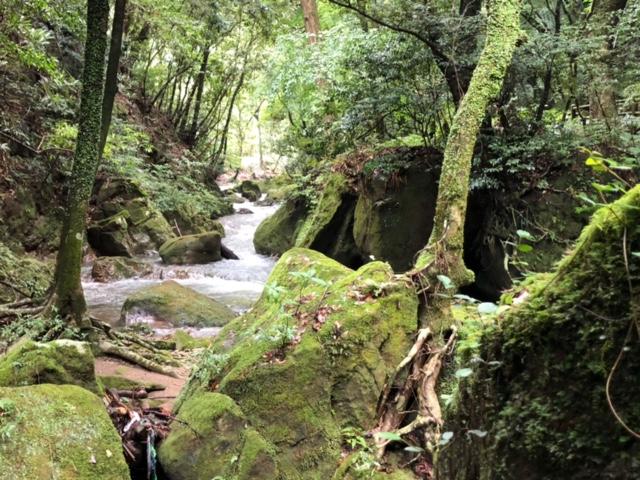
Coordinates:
column 111, row 80
column 68, row 289
column 445, row 246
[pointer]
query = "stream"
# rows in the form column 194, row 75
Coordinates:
column 236, row 283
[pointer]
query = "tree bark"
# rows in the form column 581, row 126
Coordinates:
column 311, row 20
column 111, row 80
column 445, row 246
column 69, row 299
column 196, row 108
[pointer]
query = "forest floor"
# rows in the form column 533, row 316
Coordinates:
column 111, row 367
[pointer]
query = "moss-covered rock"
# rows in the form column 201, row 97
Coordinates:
column 249, row 190
column 59, row 362
column 178, row 305
column 111, row 269
column 192, row 249
column 57, row 431
column 540, row 391
column 191, row 221
column 310, row 358
column 22, row 275
column 211, row 439
column 110, row 237
column 277, row 234
column 394, row 213
column 126, row 220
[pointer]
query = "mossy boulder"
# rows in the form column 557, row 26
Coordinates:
column 178, row 305
column 540, row 391
column 59, row 362
column 277, row 233
column 111, row 269
column 309, row 359
column 328, row 228
column 192, row 221
column 22, row 275
column 125, row 220
column 211, row 439
column 394, row 213
column 57, row 431
column 192, row 249
column 249, row 190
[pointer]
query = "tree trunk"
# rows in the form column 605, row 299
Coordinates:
column 70, row 300
column 602, row 104
column 311, row 20
column 196, row 108
column 111, row 81
column 445, row 245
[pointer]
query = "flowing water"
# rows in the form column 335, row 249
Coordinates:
column 236, row 283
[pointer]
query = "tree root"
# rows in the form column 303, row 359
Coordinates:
column 129, row 355
column 423, row 365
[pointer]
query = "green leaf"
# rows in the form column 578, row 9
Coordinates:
column 463, row 372
column 391, row 436
column 596, row 163
column 635, row 254
column 445, row 281
column 487, row 308
column 524, row 248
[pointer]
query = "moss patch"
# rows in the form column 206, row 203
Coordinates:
column 58, row 362
column 181, row 306
column 57, row 431
column 27, row 274
column 211, row 439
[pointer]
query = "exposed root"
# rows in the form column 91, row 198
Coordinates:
column 423, row 365
column 109, row 348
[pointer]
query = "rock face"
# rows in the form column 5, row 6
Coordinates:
column 111, row 269
column 540, row 391
column 277, row 234
column 192, row 249
column 58, row 431
column 58, row 362
column 180, row 306
column 308, row 360
column 125, row 221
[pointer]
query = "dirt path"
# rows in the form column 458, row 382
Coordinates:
column 106, row 366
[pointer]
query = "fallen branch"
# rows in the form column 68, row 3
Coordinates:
column 109, row 348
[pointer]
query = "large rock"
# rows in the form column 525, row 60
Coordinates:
column 125, row 220
column 393, row 219
column 249, row 190
column 28, row 275
column 59, row 362
column 57, row 431
column 192, row 249
column 211, row 439
column 308, row 360
column 178, row 305
column 277, row 234
column 111, row 269
column 540, row 392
